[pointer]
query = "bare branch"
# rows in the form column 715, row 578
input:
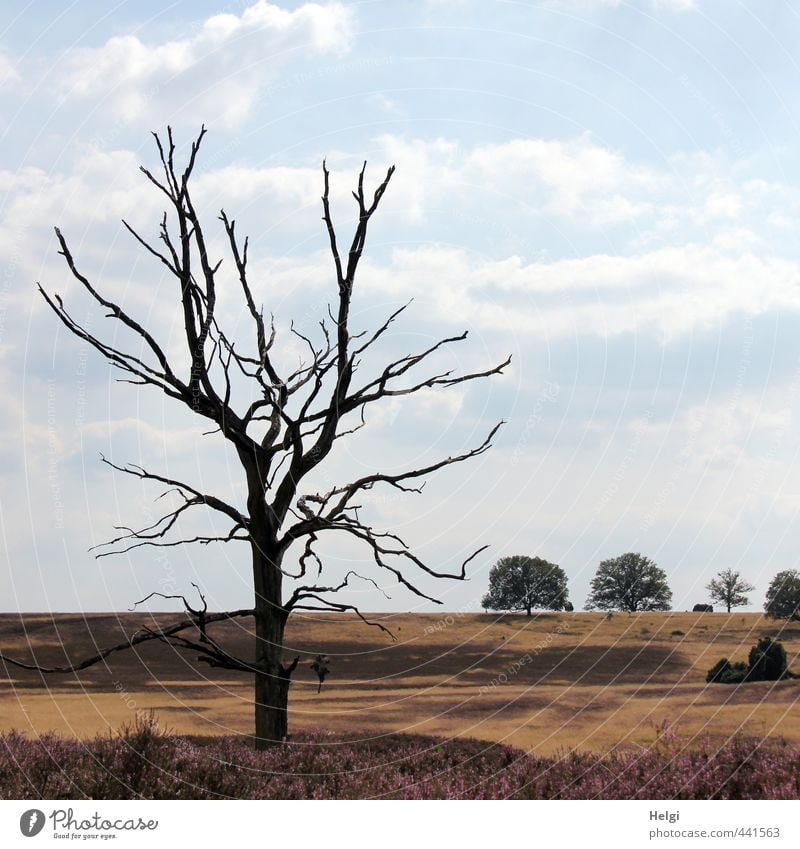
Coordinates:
column 150, row 249
column 302, row 592
column 379, row 552
column 126, row 362
column 200, row 498
column 326, row 217
column 141, row 636
column 333, row 503
column 240, row 258
column 382, row 329
column 381, row 390
column 303, row 461
column 117, row 312
column 336, row 607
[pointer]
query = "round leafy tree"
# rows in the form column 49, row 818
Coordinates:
column 524, row 583
column 629, row 582
column 783, row 596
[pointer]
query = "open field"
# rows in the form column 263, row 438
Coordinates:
column 553, row 683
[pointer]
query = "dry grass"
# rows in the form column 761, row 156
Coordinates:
column 551, row 683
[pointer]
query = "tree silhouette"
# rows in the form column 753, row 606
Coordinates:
column 524, row 583
column 629, row 582
column 783, row 595
column 281, row 435
column 730, row 589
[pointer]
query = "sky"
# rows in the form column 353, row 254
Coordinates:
column 607, row 190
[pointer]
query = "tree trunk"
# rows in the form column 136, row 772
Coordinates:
column 272, row 700
column 272, row 678
column 271, row 681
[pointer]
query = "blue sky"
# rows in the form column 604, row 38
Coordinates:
column 607, row 190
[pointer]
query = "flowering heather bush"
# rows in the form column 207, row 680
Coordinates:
column 145, row 763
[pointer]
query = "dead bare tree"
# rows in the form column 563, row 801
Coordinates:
column 279, row 438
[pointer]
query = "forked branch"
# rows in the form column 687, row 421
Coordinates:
column 143, row 635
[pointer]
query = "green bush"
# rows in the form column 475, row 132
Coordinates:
column 737, row 672
column 725, row 672
column 766, row 662
column 718, row 671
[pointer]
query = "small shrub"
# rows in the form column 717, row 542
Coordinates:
column 718, row 671
column 725, row 672
column 737, row 673
column 143, row 733
column 678, row 633
column 644, row 631
column 767, row 660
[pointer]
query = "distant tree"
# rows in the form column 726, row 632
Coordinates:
column 729, row 588
column 629, row 582
column 525, row 583
column 783, row 596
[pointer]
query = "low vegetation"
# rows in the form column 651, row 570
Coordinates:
column 766, row 662
column 146, row 763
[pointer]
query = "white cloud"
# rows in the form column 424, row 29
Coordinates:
column 428, row 168
column 23, row 435
column 149, row 438
column 728, row 460
column 8, row 71
column 575, row 181
column 669, row 5
column 700, row 250
column 578, row 175
column 217, row 72
column 101, row 185
column 669, row 292
column 677, row 5
column 287, row 188
column 385, row 104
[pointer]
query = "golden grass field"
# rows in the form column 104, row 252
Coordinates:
column 551, row 683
